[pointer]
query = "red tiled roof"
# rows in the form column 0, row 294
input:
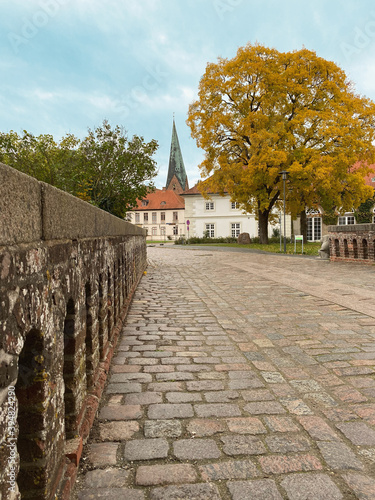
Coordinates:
column 193, row 190
column 370, row 179
column 161, row 200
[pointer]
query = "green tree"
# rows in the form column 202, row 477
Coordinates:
column 265, row 111
column 105, row 169
column 43, row 158
column 117, row 170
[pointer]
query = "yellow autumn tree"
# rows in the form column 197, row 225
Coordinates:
column 265, row 111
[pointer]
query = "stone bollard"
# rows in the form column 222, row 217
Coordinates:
column 324, row 249
column 244, row 239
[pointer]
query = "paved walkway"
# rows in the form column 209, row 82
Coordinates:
column 240, row 376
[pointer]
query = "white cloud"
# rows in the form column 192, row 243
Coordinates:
column 189, row 93
column 43, row 95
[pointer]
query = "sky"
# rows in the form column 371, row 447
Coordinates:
column 66, row 65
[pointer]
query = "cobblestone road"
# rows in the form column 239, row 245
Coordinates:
column 240, row 376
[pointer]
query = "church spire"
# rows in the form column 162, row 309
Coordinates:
column 177, row 178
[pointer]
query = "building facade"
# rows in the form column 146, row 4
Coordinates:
column 219, row 217
column 161, row 213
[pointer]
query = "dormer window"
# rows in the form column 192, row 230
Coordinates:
column 145, row 203
column 163, row 203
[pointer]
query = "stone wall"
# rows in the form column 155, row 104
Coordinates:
column 68, row 271
column 352, row 243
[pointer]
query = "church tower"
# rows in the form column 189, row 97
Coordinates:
column 177, row 179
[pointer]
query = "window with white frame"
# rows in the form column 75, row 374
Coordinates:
column 234, row 205
column 210, row 205
column 162, row 230
column 162, row 216
column 145, row 217
column 236, row 229
column 210, row 230
column 175, row 216
column 314, row 228
column 346, row 220
column 137, row 217
column 154, row 231
column 154, row 217
column 175, row 230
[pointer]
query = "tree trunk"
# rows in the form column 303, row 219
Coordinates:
column 263, row 227
column 303, row 223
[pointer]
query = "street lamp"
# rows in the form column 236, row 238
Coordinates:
column 284, row 173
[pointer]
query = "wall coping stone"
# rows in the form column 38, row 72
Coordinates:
column 32, row 211
column 20, row 207
column 351, row 228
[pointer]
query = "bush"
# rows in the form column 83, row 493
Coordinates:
column 276, row 239
column 273, row 239
column 195, row 240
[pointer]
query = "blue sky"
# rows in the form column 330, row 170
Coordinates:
column 68, row 64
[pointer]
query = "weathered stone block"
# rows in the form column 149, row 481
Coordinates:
column 20, row 207
column 244, row 239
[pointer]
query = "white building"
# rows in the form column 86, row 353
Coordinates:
column 220, row 217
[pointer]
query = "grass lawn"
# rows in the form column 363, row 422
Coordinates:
column 152, row 242
column 308, row 248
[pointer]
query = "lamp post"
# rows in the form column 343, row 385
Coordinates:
column 284, row 173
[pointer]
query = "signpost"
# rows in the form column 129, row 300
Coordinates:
column 187, row 227
column 298, row 237
column 284, row 173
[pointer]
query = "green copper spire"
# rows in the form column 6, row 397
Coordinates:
column 176, row 164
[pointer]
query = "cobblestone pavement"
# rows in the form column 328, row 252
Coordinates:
column 240, row 376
